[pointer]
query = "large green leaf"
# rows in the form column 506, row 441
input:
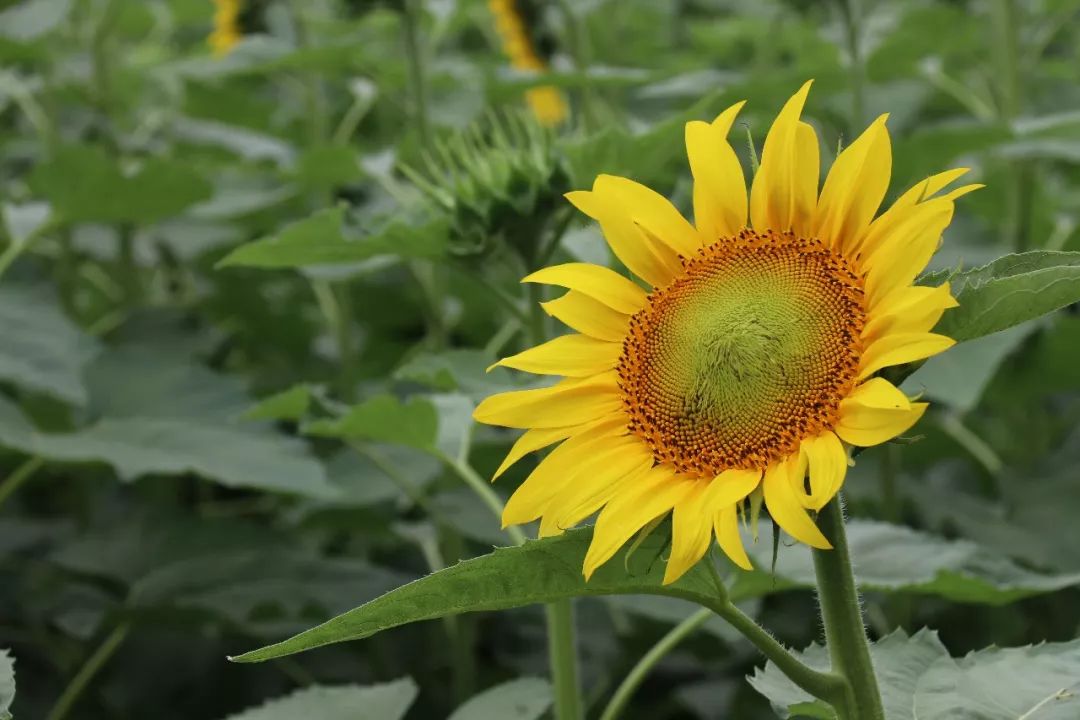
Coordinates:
column 1009, row 291
column 521, row 699
column 41, row 349
column 1040, row 682
column 7, row 684
column 389, row 701
column 85, row 184
column 32, row 19
column 321, row 239
column 539, row 571
column 891, row 558
column 180, row 418
column 919, row 681
column 384, row 418
column 899, row 661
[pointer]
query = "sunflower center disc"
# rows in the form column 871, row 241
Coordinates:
column 748, row 352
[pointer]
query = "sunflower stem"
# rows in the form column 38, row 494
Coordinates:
column 411, row 18
column 851, row 11
column 841, row 613
column 656, row 653
column 89, row 669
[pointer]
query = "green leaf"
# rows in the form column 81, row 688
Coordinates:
column 899, row 662
column 320, row 239
column 384, row 418
column 389, row 701
column 891, row 558
column 1040, row 682
column 180, row 418
column 539, row 571
column 42, row 350
column 291, row 404
column 7, row 684
column 328, row 166
column 1009, row 291
column 958, row 377
column 521, row 699
column 85, row 184
column 32, row 19
column 459, row 369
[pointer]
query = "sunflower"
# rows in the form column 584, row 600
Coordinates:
column 227, row 31
column 746, row 367
column 545, row 101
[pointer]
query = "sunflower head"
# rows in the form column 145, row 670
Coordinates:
column 742, row 366
column 496, row 183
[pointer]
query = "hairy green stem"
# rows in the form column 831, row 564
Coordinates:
column 19, row 476
column 86, row 673
column 648, row 661
column 841, row 613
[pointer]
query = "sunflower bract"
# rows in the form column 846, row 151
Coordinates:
column 746, row 363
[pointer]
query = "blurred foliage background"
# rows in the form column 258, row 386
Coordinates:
column 210, row 443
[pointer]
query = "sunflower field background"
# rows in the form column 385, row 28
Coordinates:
column 256, row 255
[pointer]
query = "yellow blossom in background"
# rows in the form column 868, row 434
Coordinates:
column 745, row 364
column 546, row 102
column 226, row 33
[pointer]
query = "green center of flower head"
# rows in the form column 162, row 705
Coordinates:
column 748, row 352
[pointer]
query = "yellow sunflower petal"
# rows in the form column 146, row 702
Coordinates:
column 556, row 470
column 827, row 461
column 569, row 402
column 911, row 309
column 719, row 187
column 878, row 393
column 597, row 282
column 531, row 441
column 726, row 526
column 926, row 189
column 652, row 495
column 595, row 482
column 691, row 533
column 900, row 348
column 785, row 508
column 784, row 192
column 867, row 426
column 589, row 316
column 855, row 187
column 649, row 259
column 895, row 261
column 571, row 355
column 730, row 487
column 652, row 212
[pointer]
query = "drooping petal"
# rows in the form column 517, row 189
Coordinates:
column 784, row 191
column 911, row 309
column 556, row 470
column 531, row 441
column 652, row 495
column 854, row 188
column 730, row 487
column 652, row 212
column 649, row 259
column 785, row 508
column 900, row 348
column 928, row 188
column 570, row 355
column 827, row 461
column 921, row 192
column 720, row 202
column 726, row 526
column 691, row 533
column 868, row 426
column 599, row 283
column 595, row 482
column 589, row 316
column 569, row 402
